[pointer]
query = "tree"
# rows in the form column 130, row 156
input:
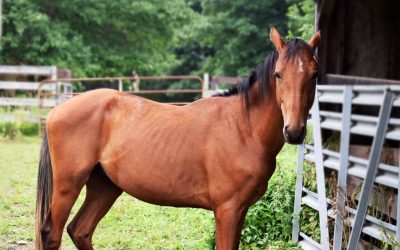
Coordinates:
column 94, row 38
column 109, row 38
column 237, row 32
column 301, row 19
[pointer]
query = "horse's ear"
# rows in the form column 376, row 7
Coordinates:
column 315, row 40
column 276, row 39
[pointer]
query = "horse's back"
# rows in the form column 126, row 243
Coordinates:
column 75, row 128
column 81, row 107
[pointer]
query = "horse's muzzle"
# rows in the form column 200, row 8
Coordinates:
column 294, row 135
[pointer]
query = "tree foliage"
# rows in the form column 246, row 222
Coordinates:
column 237, row 32
column 106, row 38
column 301, row 19
column 94, row 37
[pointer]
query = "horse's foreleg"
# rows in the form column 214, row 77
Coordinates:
column 100, row 196
column 229, row 222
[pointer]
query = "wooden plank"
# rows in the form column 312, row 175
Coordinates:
column 64, row 73
column 24, row 102
column 357, row 80
column 324, row 11
column 18, row 118
column 28, row 70
column 225, row 79
column 25, row 85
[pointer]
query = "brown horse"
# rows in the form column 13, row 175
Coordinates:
column 216, row 153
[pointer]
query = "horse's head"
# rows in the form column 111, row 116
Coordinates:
column 295, row 80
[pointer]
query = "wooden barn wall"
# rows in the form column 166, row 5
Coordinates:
column 361, row 38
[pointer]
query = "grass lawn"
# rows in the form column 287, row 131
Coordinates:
column 130, row 224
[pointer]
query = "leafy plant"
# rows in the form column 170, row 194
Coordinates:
column 301, row 19
column 283, row 245
column 28, row 128
column 309, row 176
column 94, row 38
column 9, row 130
column 309, row 223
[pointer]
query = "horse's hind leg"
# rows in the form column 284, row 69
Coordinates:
column 65, row 193
column 100, row 196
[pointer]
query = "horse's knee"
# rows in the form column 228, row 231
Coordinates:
column 81, row 240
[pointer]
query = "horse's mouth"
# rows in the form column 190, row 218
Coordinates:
column 295, row 138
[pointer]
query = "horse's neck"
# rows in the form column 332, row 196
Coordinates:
column 266, row 121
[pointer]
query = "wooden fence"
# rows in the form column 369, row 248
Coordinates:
column 19, row 85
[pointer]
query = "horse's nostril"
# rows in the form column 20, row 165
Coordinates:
column 286, row 131
column 294, row 135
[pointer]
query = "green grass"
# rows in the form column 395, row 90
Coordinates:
column 130, row 224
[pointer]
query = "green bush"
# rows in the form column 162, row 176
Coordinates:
column 309, row 223
column 28, row 128
column 9, row 130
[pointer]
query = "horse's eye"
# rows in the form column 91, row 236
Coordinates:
column 314, row 76
column 277, row 75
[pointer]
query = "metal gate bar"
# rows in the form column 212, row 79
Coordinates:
column 344, row 161
column 319, row 165
column 297, row 196
column 374, row 158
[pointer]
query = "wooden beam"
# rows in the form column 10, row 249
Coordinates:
column 226, row 79
column 26, row 102
column 358, row 80
column 17, row 118
column 29, row 70
column 325, row 9
column 25, row 85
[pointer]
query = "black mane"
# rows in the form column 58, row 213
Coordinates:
column 264, row 71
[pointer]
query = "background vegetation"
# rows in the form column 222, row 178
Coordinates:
column 109, row 38
column 113, row 38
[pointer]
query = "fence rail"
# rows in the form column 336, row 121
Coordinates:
column 61, row 96
column 14, row 82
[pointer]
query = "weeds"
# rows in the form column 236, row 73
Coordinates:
column 10, row 130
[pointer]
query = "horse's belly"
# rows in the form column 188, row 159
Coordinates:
column 161, row 185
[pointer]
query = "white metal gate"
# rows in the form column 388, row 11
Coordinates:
column 380, row 128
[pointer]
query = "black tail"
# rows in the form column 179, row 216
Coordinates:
column 44, row 189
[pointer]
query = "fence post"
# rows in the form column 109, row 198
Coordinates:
column 120, row 85
column 206, row 84
column 344, row 161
